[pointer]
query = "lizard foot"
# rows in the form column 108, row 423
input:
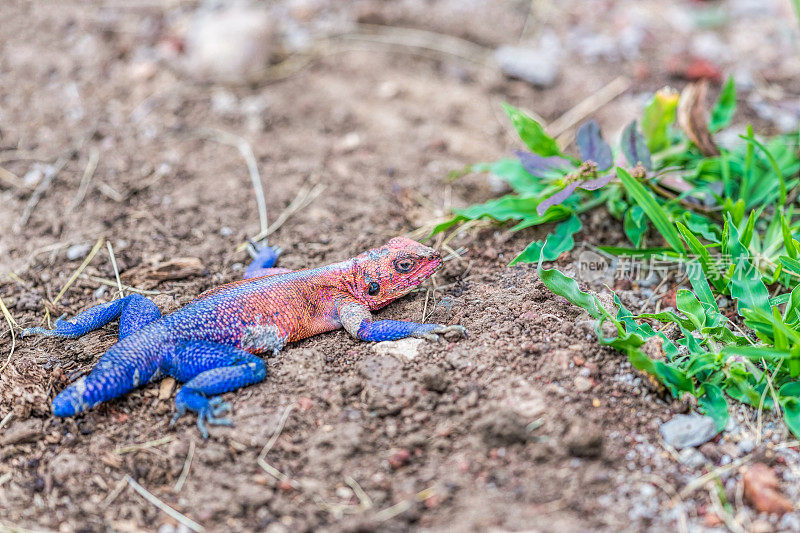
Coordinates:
column 434, row 334
column 262, row 249
column 208, row 409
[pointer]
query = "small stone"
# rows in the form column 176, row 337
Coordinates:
column 434, row 379
column 688, row 430
column 285, row 485
column 388, row 90
column 78, row 251
column 405, row 348
column 344, row 493
column 305, row 403
column 761, row 490
column 400, row 458
column 232, row 44
column 691, row 458
column 538, row 66
column 582, row 384
column 166, row 388
column 225, row 231
column 746, row 445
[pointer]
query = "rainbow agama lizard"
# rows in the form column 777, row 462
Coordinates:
column 211, row 344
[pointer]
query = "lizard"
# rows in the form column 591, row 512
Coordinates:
column 212, row 344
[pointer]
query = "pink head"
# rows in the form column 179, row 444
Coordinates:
column 384, row 274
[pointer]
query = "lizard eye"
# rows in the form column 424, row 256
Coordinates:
column 404, row 265
column 373, row 288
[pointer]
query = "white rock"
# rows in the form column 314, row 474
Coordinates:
column 688, row 430
column 231, row 44
column 537, row 65
column 77, row 251
column 405, row 348
column 692, row 458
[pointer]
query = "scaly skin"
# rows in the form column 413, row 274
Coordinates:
column 211, row 343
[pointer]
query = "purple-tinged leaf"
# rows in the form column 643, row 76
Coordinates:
column 557, row 198
column 592, row 185
column 592, row 147
column 536, row 164
column 635, row 148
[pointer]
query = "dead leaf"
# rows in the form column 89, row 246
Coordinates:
column 148, row 276
column 761, row 490
column 693, row 117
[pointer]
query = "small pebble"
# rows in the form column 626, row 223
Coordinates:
column 691, row 458
column 684, row 431
column 77, row 251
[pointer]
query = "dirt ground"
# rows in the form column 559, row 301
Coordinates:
column 526, row 425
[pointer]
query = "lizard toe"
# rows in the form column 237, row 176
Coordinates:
column 220, row 408
column 460, row 330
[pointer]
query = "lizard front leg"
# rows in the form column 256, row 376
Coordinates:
column 358, row 322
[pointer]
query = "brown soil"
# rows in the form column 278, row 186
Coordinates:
column 527, row 424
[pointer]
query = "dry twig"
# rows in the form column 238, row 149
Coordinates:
column 586, row 107
column 88, row 174
column 144, row 445
column 304, row 197
column 11, row 325
column 144, row 493
column 116, row 270
column 186, row 465
column 252, row 168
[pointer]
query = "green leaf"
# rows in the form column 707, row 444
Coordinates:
column 750, row 138
column 635, row 225
column 512, row 172
column 674, row 378
column 713, row 403
column 723, row 111
column 689, row 305
column 567, row 287
column 531, row 133
column 651, row 207
column 669, row 316
column 788, row 239
column 658, row 251
column 791, row 414
column 635, row 148
column 658, row 115
column 746, row 285
column 789, row 397
column 558, row 242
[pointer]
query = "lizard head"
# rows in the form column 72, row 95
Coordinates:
column 391, row 271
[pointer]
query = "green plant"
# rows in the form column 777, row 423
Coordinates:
column 728, row 211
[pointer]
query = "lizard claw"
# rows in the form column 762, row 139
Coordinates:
column 208, row 410
column 435, row 333
column 254, row 248
column 218, row 407
column 441, row 330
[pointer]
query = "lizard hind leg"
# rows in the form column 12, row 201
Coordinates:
column 264, row 258
column 134, row 311
column 209, row 369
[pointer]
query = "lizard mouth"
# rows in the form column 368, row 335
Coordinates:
column 426, row 271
